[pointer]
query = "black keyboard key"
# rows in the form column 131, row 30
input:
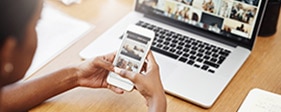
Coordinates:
column 188, row 41
column 139, row 23
column 175, row 41
column 173, row 36
column 194, row 48
column 200, row 60
column 155, row 29
column 159, row 45
column 157, row 35
column 186, row 37
column 215, row 50
column 222, row 57
column 199, row 55
column 178, row 35
column 172, row 50
column 192, row 57
column 168, row 39
column 164, row 52
column 186, row 55
column 193, row 52
column 196, row 65
column 185, row 49
column 208, row 48
column 181, row 43
column 179, row 52
column 214, row 60
column 227, row 51
column 211, row 64
column 160, row 40
column 194, row 43
column 208, row 53
column 224, row 53
column 168, row 34
column 162, row 36
column 215, row 55
column 200, row 45
column 220, row 61
column 204, row 67
column 173, row 45
column 187, row 46
column 211, row 71
column 166, row 47
column 212, row 46
column 179, row 47
column 154, row 43
column 206, row 57
column 162, row 31
column 181, row 38
column 190, row 62
column 201, row 50
column 166, row 43
column 182, row 59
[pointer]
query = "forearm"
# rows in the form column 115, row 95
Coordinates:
column 25, row 95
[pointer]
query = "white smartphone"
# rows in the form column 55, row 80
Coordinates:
column 136, row 43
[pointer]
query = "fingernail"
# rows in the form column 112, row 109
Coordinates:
column 117, row 70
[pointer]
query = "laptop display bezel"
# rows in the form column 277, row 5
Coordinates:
column 232, row 39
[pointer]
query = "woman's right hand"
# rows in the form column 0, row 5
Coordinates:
column 148, row 84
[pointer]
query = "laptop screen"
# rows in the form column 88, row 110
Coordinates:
column 236, row 20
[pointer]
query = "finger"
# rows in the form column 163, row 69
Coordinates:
column 143, row 69
column 150, row 57
column 100, row 62
column 115, row 89
column 125, row 74
column 151, row 63
column 110, row 57
column 108, row 60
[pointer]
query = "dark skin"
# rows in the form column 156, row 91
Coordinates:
column 154, row 95
column 91, row 73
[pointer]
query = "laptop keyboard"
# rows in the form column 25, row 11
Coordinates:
column 186, row 49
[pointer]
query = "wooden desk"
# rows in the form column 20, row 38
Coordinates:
column 261, row 70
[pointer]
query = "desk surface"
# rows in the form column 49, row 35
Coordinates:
column 261, row 70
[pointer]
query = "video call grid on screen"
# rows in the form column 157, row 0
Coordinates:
column 230, row 16
column 133, row 49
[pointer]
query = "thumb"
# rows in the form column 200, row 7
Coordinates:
column 105, row 64
column 125, row 73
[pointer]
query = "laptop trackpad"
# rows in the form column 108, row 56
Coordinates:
column 166, row 65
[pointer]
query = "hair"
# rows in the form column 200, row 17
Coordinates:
column 194, row 17
column 15, row 15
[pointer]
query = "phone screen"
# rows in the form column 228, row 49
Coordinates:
column 132, row 53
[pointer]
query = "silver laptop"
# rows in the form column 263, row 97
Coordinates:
column 199, row 46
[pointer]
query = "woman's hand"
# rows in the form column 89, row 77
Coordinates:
column 148, row 84
column 93, row 73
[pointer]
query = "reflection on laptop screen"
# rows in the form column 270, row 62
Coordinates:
column 224, row 17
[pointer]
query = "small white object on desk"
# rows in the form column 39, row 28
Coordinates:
column 69, row 2
column 261, row 101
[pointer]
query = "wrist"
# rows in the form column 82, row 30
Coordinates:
column 73, row 73
column 157, row 103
